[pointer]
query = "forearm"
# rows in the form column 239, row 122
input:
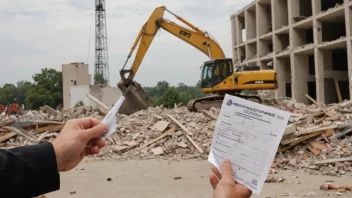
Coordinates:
column 29, row 171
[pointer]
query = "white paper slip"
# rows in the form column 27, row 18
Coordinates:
column 110, row 118
column 248, row 134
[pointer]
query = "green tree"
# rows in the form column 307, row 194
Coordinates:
column 46, row 90
column 182, row 87
column 185, row 98
column 156, row 101
column 39, row 96
column 196, row 91
column 21, row 91
column 170, row 97
column 162, row 86
column 8, row 94
column 151, row 91
column 186, row 92
column 98, row 78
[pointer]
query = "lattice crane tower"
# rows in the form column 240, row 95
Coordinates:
column 101, row 69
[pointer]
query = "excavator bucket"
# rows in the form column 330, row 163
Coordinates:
column 136, row 98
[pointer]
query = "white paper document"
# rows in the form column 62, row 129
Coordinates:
column 110, row 118
column 248, row 134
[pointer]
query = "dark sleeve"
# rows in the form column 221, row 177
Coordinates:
column 28, row 171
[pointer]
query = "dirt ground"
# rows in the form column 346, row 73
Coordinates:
column 155, row 178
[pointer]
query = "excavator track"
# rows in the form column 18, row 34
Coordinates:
column 206, row 103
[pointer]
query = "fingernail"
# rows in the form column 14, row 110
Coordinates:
column 227, row 162
column 105, row 128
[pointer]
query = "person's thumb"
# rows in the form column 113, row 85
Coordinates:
column 96, row 131
column 226, row 170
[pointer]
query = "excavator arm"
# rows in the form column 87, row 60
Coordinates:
column 192, row 35
column 217, row 74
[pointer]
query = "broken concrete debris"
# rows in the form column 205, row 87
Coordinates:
column 158, row 151
column 160, row 126
column 338, row 190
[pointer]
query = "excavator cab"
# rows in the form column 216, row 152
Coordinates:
column 215, row 71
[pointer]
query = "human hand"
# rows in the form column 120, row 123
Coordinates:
column 78, row 139
column 224, row 184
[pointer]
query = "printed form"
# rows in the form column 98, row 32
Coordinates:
column 248, row 134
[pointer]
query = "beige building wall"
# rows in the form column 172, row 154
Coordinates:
column 90, row 79
column 309, row 43
column 73, row 74
column 107, row 95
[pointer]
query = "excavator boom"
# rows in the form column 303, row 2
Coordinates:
column 192, row 35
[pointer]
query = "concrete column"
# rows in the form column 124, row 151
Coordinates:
column 280, row 92
column 281, row 9
column 348, row 21
column 276, row 43
column 246, row 24
column 294, row 7
column 247, row 52
column 257, row 30
column 234, row 40
column 257, row 19
column 234, row 32
column 300, row 77
column 250, row 23
column 316, row 4
column 294, row 36
column 319, row 74
column 238, row 37
column 318, row 54
column 273, row 15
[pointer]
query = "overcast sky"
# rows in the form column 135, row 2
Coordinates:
column 48, row 33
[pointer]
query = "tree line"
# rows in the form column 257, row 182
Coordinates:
column 46, row 90
column 164, row 94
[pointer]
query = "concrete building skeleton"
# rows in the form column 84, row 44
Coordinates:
column 307, row 42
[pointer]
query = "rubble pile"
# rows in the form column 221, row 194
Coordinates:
column 316, row 139
column 140, row 135
column 143, row 130
column 33, row 127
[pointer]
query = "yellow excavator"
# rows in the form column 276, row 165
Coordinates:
column 218, row 75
